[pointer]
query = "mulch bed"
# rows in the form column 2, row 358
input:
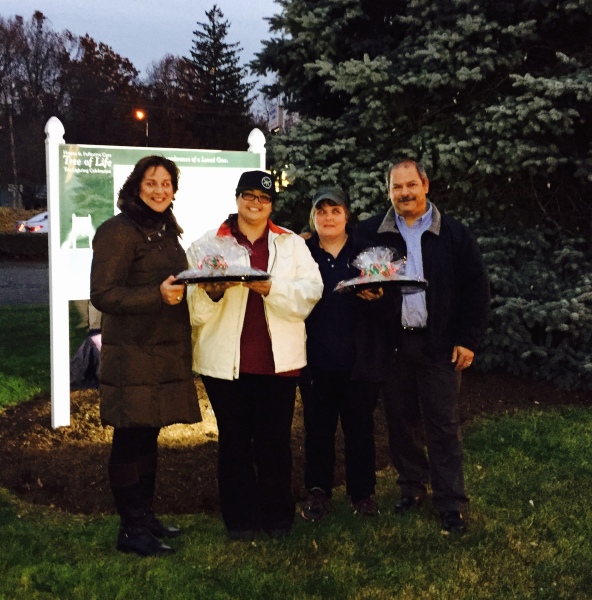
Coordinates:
column 66, row 468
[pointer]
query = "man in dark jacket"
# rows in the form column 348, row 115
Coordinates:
column 431, row 339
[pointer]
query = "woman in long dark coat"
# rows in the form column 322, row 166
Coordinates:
column 145, row 378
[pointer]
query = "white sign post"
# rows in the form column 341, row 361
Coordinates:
column 82, row 187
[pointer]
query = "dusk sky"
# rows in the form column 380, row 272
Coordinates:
column 145, row 30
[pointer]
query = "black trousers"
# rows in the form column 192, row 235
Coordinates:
column 132, row 472
column 131, row 444
column 421, row 404
column 254, row 415
column 328, row 397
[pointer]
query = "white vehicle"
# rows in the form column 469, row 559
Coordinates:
column 37, row 224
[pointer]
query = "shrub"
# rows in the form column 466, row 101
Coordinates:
column 30, row 245
column 541, row 299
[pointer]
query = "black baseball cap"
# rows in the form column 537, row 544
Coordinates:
column 257, row 180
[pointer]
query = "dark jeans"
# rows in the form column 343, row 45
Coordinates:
column 328, row 397
column 421, row 403
column 254, row 415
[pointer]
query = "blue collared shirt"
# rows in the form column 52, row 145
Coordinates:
column 415, row 312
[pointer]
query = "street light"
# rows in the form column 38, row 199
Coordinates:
column 142, row 115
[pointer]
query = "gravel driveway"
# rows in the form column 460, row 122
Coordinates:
column 24, row 282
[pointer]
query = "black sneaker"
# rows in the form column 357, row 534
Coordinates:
column 407, row 503
column 453, row 521
column 366, row 507
column 140, row 540
column 316, row 505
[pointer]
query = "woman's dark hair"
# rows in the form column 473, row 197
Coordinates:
column 131, row 188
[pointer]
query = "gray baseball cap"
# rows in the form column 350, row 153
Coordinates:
column 336, row 194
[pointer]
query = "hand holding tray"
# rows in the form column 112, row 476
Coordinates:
column 192, row 276
column 353, row 286
column 220, row 260
column 379, row 269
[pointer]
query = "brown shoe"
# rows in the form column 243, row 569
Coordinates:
column 366, row 507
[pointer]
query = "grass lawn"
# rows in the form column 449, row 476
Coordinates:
column 24, row 351
column 530, row 535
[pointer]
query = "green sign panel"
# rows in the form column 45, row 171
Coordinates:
column 91, row 176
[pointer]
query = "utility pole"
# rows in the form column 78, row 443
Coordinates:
column 17, row 199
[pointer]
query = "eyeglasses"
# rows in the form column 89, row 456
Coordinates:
column 261, row 198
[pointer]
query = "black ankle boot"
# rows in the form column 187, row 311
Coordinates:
column 134, row 534
column 147, row 475
column 158, row 528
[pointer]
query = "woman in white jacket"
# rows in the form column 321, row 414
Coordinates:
column 249, row 347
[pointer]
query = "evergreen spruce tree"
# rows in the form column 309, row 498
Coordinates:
column 216, row 84
column 496, row 98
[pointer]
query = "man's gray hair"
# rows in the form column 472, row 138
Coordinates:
column 406, row 161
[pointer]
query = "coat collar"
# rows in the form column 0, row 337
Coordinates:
column 389, row 223
column 148, row 220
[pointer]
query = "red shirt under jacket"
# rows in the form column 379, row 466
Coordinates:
column 256, row 355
